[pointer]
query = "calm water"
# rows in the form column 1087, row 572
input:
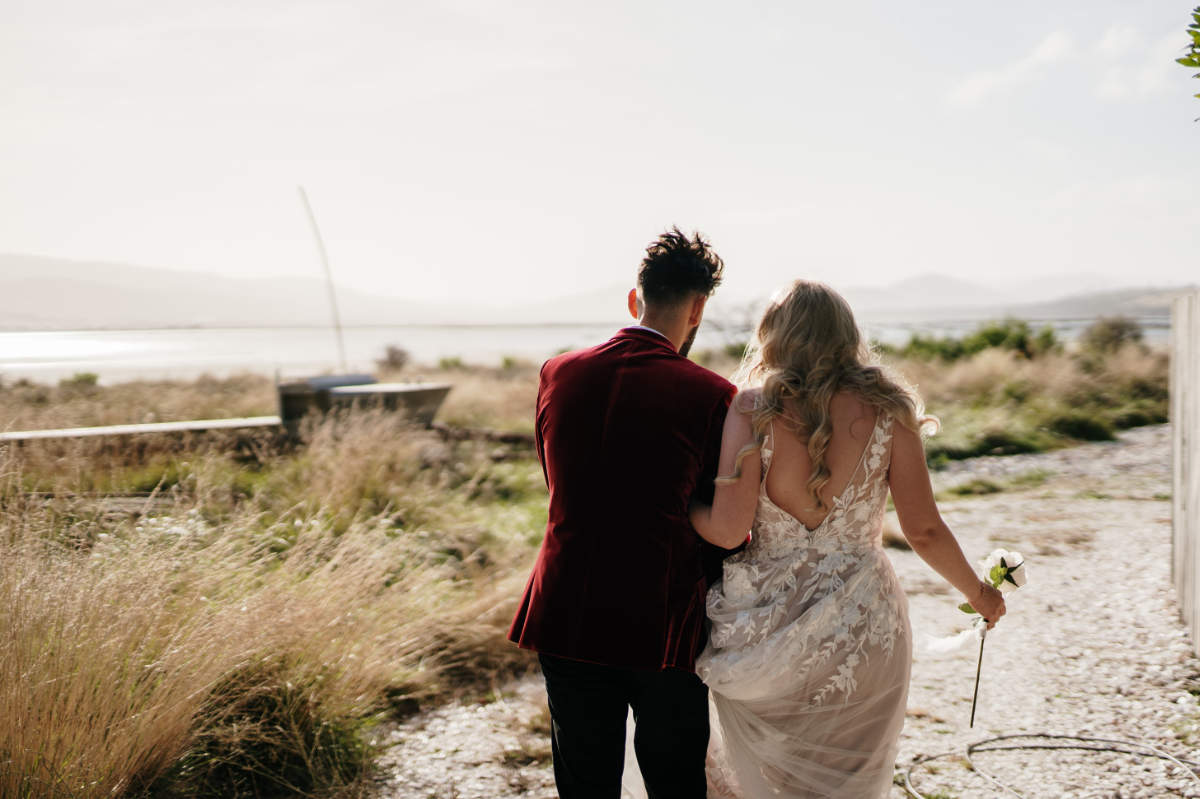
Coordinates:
column 124, row 354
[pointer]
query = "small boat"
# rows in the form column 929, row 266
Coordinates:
column 418, row 401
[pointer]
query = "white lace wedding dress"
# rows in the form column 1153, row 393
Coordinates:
column 809, row 655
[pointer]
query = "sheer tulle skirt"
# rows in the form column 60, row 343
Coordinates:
column 808, row 693
column 780, row 749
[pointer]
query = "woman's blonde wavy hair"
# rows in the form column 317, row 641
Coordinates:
column 808, row 348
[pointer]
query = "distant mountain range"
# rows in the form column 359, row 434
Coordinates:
column 40, row 293
column 990, row 303
column 52, row 293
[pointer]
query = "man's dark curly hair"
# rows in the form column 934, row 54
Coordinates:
column 676, row 267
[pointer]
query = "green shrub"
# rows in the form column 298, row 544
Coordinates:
column 1046, row 341
column 80, row 384
column 1007, row 334
column 977, row 487
column 1018, row 391
column 931, row 348
column 267, row 735
column 1030, row 478
column 1008, row 442
column 153, row 476
column 1110, row 333
column 1138, row 414
column 993, row 442
column 394, row 358
column 80, row 380
column 1143, row 388
column 736, row 350
column 883, row 349
column 1081, row 425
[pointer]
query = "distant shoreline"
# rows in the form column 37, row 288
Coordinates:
column 1153, row 320
column 397, row 326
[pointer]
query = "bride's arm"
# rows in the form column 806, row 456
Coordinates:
column 727, row 522
column 925, row 530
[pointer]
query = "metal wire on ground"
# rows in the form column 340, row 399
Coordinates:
column 1082, row 743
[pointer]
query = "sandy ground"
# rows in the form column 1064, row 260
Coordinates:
column 1093, row 646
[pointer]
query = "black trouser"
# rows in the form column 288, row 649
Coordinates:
column 588, row 709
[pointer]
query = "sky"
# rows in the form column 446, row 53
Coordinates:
column 504, row 152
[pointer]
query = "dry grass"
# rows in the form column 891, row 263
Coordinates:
column 33, row 406
column 235, row 642
column 995, row 376
column 999, row 402
column 501, row 399
column 233, row 623
column 114, row 655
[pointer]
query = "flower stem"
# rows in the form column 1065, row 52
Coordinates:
column 978, row 668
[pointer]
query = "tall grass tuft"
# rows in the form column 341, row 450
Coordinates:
column 244, row 642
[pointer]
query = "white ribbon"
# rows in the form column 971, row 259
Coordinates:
column 950, row 643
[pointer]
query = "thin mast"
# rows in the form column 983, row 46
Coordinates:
column 337, row 321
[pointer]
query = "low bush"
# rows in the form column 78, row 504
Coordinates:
column 999, row 402
column 977, row 487
column 268, row 733
column 1109, row 334
column 394, row 359
column 1011, row 335
column 1082, row 426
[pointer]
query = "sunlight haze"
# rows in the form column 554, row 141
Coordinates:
column 501, row 153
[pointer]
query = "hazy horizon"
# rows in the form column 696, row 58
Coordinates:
column 56, row 294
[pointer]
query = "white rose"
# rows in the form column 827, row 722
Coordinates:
column 991, row 560
column 1017, row 574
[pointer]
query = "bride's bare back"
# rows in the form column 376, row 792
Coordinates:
column 787, row 481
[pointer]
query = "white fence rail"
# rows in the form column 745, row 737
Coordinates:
column 1185, row 457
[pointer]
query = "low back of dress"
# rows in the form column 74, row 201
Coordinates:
column 809, row 653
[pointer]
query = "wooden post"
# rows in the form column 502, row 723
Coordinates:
column 1185, row 457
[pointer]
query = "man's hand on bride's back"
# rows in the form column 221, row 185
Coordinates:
column 989, row 603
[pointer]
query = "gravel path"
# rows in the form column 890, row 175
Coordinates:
column 1093, row 646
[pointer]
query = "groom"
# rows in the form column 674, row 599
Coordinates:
column 626, row 432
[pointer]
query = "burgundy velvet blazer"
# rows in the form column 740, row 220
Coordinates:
column 626, row 431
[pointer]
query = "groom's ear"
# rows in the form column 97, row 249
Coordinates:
column 634, row 306
column 697, row 310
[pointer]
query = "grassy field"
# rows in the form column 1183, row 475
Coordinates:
column 235, row 614
column 232, row 615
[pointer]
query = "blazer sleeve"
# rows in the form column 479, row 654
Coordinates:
column 538, row 440
column 712, row 555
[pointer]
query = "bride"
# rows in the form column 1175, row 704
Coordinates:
column 809, row 654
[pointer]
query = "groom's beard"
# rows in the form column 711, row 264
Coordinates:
column 686, row 347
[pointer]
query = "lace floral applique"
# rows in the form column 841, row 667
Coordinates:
column 825, row 600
